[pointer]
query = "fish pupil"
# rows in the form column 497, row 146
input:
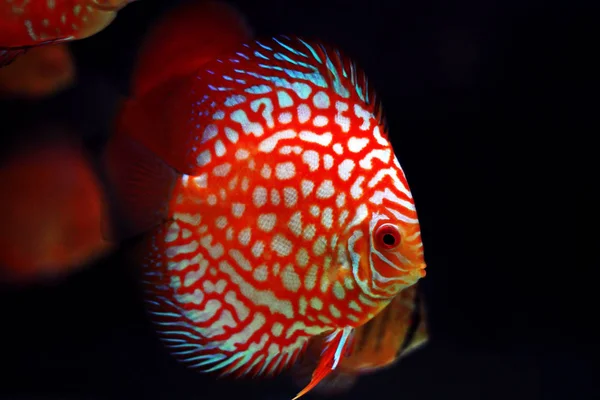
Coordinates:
column 388, row 236
column 389, row 239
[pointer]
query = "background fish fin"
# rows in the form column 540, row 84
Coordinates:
column 185, row 38
column 420, row 336
column 7, row 56
column 140, row 184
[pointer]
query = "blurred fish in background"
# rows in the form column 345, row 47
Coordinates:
column 53, row 197
column 51, row 210
column 27, row 24
column 395, row 332
column 41, row 72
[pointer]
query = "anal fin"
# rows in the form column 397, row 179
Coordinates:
column 335, row 348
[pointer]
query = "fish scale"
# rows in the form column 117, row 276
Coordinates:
column 285, row 178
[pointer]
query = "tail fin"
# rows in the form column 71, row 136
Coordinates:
column 187, row 37
column 140, row 184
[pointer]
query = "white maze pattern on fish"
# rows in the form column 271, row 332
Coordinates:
column 249, row 153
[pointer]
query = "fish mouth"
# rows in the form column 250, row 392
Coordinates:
column 391, row 273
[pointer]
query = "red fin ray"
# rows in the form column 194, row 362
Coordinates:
column 333, row 352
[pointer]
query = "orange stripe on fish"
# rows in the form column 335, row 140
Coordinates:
column 286, row 215
column 25, row 24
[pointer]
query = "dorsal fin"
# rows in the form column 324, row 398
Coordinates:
column 186, row 38
column 181, row 113
column 311, row 61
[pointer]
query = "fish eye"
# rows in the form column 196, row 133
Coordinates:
column 388, row 236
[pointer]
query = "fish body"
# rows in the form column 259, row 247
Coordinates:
column 25, row 24
column 273, row 206
column 396, row 331
column 41, row 72
column 51, row 204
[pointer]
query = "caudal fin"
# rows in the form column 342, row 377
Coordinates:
column 185, row 38
column 140, row 184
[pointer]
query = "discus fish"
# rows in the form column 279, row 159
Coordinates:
column 396, row 331
column 41, row 72
column 29, row 23
column 273, row 206
column 51, row 207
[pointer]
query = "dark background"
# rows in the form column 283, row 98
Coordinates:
column 474, row 92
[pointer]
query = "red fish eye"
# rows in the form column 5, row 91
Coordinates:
column 388, row 236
